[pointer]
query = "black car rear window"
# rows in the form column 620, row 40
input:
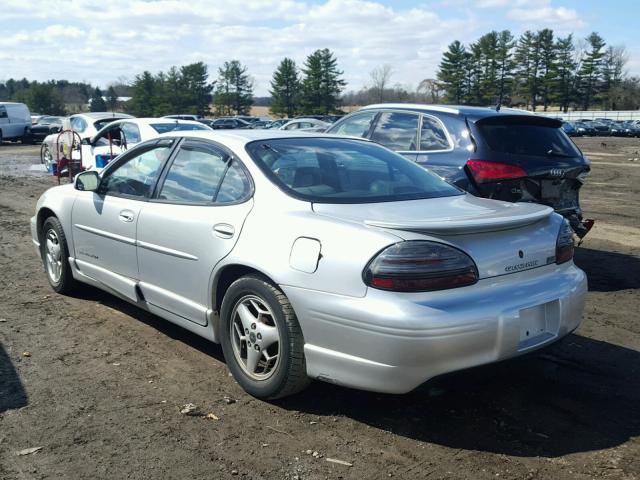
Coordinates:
column 332, row 170
column 527, row 139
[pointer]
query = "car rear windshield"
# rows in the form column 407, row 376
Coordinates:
column 177, row 127
column 330, row 170
column 527, row 139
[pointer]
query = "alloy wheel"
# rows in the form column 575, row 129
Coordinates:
column 53, row 256
column 255, row 338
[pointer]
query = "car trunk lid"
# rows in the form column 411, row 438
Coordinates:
column 500, row 237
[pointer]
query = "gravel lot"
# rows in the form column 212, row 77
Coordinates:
column 98, row 384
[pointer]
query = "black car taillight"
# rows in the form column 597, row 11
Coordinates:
column 420, row 266
column 486, row 171
column 564, row 243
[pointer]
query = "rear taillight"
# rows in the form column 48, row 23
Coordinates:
column 485, row 171
column 564, row 243
column 420, row 266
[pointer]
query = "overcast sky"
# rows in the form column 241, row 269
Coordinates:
column 100, row 41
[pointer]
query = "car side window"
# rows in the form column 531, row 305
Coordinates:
column 195, row 174
column 137, row 175
column 235, row 186
column 356, row 126
column 397, row 131
column 78, row 124
column 131, row 132
column 432, row 135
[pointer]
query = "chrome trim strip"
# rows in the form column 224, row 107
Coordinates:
column 421, row 106
column 165, row 250
column 102, row 233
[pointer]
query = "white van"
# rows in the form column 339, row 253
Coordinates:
column 15, row 122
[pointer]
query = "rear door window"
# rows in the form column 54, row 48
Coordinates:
column 397, row 131
column 195, row 174
column 527, row 139
column 432, row 135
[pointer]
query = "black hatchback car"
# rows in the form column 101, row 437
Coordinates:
column 508, row 155
column 45, row 126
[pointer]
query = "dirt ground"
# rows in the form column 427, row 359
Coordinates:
column 98, row 385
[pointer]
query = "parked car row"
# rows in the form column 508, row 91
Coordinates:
column 602, row 127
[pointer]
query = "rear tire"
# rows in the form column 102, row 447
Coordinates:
column 27, row 138
column 55, row 256
column 261, row 339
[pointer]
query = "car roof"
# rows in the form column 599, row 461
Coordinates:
column 239, row 138
column 476, row 112
column 161, row 120
column 103, row 115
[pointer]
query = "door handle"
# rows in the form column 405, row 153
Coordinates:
column 126, row 216
column 224, row 230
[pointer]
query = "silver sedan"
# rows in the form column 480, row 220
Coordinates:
column 314, row 257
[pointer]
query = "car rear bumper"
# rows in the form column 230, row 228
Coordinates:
column 391, row 342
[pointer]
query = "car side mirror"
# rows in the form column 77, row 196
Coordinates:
column 56, row 129
column 87, row 181
column 85, row 141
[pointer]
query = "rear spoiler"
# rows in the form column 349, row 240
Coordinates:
column 524, row 214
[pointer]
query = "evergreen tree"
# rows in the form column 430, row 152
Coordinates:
column 285, row 89
column 566, row 67
column 452, row 73
column 144, row 98
column 590, row 74
column 112, row 99
column 97, row 103
column 548, row 67
column 42, row 98
column 489, row 78
column 504, row 58
column 322, row 83
column 234, row 93
column 196, row 87
column 527, row 56
column 474, row 95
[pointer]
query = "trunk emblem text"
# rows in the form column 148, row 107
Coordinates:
column 521, row 266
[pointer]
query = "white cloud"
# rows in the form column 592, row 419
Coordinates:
column 99, row 41
column 560, row 18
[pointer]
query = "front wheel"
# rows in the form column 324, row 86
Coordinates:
column 55, row 255
column 46, row 158
column 261, row 339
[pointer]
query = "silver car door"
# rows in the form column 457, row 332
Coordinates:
column 105, row 222
column 193, row 222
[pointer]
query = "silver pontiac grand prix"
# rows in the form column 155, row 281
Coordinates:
column 309, row 256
